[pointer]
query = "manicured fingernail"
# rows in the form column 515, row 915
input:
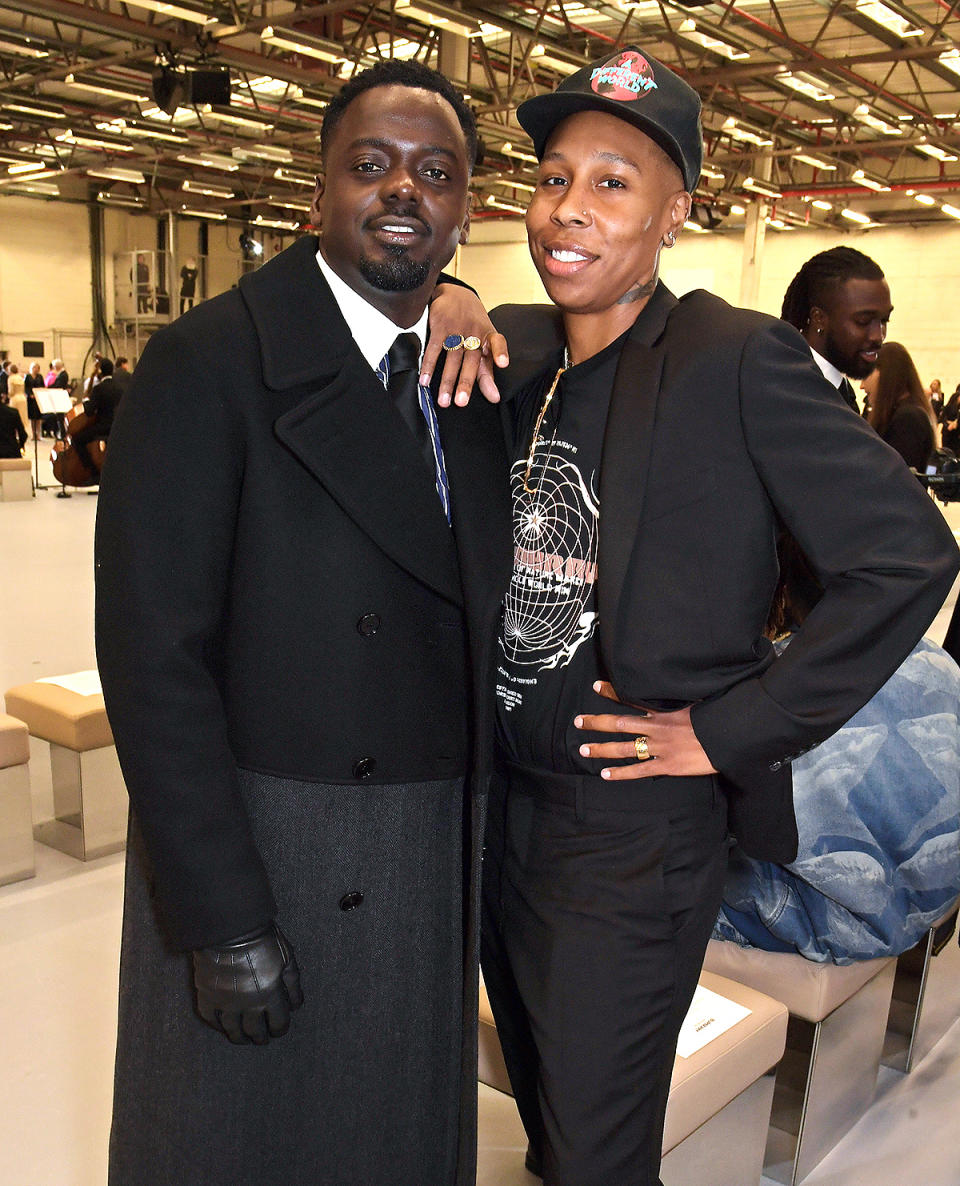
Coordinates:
column 604, row 773
column 443, row 400
column 462, row 398
column 596, row 686
column 425, row 380
column 585, row 751
column 578, row 721
column 503, row 360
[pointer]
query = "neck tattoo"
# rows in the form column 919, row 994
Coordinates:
column 638, row 293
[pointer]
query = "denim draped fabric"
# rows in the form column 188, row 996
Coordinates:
column 878, row 813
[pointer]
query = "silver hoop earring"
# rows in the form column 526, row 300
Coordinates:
column 669, row 239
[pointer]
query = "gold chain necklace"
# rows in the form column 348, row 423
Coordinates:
column 536, row 428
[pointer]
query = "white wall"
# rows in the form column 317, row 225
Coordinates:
column 45, row 290
column 922, row 266
column 45, row 280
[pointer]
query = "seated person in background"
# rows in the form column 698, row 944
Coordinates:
column 100, row 406
column 13, row 436
column 900, row 409
column 878, row 815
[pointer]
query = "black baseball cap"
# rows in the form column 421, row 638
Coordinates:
column 634, row 86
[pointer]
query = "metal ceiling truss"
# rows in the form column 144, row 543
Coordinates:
column 822, row 110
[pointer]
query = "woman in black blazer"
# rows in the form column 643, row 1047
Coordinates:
column 640, row 580
column 900, row 409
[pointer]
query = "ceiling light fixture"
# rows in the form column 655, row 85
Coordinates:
column 112, row 199
column 951, row 59
column 541, row 57
column 951, row 210
column 821, row 204
column 179, row 10
column 204, row 187
column 500, row 204
column 856, row 216
column 861, row 178
column 925, row 199
column 718, row 45
column 934, row 150
column 82, row 140
column 265, row 152
column 866, row 116
column 111, row 92
column 806, row 84
column 732, row 128
column 115, row 173
column 214, row 215
column 211, row 160
column 518, row 154
column 451, row 20
column 239, row 121
column 41, row 110
column 24, row 47
column 124, row 127
column 815, row 162
column 276, row 224
column 764, row 188
column 712, row 174
column 282, row 174
column 884, row 16
column 296, row 42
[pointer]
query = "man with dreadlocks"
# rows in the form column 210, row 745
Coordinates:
column 840, row 302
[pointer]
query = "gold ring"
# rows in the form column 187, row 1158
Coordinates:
column 640, row 744
column 471, row 343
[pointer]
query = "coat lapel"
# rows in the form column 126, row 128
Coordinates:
column 343, row 428
column 627, row 444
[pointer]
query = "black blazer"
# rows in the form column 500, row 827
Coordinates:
column 13, row 435
column 322, row 620
column 687, row 558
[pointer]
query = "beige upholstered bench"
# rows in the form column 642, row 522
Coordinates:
column 926, row 995
column 89, row 797
column 827, row 1079
column 16, row 831
column 16, row 479
column 720, row 1096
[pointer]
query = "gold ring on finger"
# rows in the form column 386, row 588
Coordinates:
column 642, row 747
column 471, row 343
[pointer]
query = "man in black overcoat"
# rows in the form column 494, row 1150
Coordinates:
column 296, row 609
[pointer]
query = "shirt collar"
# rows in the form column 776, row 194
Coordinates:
column 373, row 332
column 830, row 372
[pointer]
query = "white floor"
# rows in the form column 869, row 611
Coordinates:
column 59, row 937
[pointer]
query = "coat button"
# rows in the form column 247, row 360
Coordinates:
column 364, row 768
column 368, row 624
column 351, row 901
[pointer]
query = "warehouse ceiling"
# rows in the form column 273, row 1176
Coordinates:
column 828, row 113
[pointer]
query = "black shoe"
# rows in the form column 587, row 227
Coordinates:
column 533, row 1163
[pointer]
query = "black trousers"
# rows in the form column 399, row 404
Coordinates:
column 598, row 902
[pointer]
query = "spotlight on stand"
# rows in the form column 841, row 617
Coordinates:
column 251, row 248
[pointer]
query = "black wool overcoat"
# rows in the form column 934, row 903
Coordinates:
column 296, row 652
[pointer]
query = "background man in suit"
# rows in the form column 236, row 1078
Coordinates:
column 13, row 436
column 641, row 580
column 840, row 302
column 101, row 406
column 296, row 611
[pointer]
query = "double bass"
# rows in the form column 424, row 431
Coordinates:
column 68, row 469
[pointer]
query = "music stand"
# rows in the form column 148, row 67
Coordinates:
column 51, row 401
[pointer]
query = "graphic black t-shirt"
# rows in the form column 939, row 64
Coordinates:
column 549, row 647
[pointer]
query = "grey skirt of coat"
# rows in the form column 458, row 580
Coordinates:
column 364, row 1090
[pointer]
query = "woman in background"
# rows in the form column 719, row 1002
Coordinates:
column 900, row 409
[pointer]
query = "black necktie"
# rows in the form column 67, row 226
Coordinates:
column 846, row 390
column 404, row 387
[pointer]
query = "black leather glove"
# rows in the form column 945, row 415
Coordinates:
column 248, row 988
